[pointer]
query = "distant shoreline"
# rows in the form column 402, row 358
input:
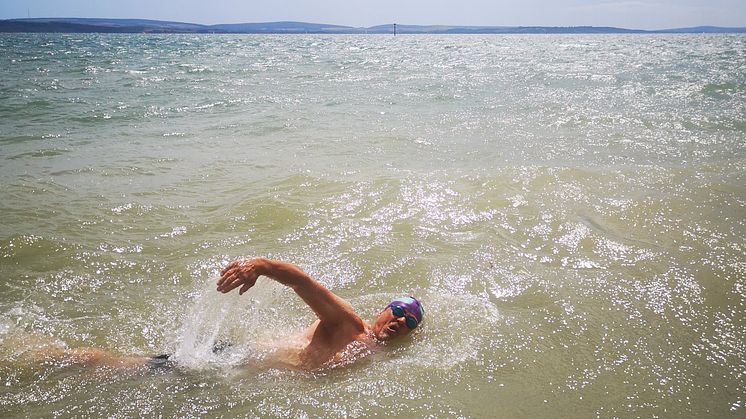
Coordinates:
column 98, row 25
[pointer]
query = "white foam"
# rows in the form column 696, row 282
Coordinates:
column 216, row 319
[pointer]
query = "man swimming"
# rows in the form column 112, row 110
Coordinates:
column 337, row 328
column 337, row 325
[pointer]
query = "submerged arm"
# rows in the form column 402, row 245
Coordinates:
column 327, row 306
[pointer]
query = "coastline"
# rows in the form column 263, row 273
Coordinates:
column 103, row 25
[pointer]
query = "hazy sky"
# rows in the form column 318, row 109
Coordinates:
column 640, row 14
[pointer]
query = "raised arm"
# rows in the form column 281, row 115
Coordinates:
column 328, row 307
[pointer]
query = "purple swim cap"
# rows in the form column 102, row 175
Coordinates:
column 411, row 305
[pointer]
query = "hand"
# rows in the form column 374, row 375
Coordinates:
column 240, row 272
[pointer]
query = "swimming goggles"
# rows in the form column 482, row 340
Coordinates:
column 398, row 311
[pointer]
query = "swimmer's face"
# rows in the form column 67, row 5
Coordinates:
column 387, row 326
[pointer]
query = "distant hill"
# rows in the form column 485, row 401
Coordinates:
column 281, row 27
column 705, row 29
column 86, row 25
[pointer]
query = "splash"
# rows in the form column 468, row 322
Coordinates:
column 220, row 330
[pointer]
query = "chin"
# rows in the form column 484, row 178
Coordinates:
column 386, row 335
column 383, row 335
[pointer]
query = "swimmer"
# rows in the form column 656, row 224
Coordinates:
column 337, row 328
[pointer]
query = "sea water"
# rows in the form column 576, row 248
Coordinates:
column 570, row 209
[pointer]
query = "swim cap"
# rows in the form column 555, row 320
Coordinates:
column 411, row 305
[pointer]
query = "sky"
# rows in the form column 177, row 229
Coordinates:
column 633, row 14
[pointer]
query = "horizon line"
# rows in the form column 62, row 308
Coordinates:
column 703, row 25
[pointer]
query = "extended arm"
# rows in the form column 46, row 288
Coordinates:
column 328, row 307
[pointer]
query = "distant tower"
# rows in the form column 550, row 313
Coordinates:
column 394, row 29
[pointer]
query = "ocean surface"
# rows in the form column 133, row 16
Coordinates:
column 570, row 209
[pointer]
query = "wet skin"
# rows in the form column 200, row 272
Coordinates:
column 338, row 326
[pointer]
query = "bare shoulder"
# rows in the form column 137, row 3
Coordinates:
column 326, row 340
column 350, row 318
column 349, row 325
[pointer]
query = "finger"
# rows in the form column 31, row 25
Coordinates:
column 229, row 285
column 223, row 278
column 227, row 267
column 236, row 263
column 224, row 274
column 250, row 282
column 245, row 288
column 229, row 272
column 228, row 280
column 234, row 267
column 233, row 285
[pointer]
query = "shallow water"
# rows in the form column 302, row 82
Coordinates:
column 569, row 208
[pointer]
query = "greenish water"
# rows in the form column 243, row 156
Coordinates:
column 570, row 210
